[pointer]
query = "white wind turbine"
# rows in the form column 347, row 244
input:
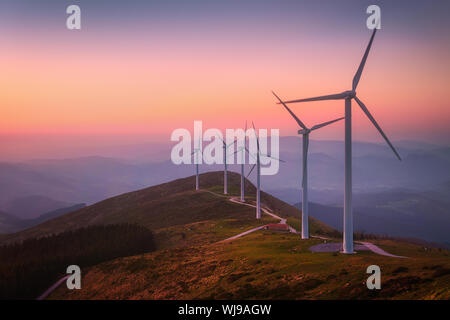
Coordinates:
column 225, row 171
column 242, row 153
column 196, row 152
column 305, row 131
column 348, row 96
column 258, row 173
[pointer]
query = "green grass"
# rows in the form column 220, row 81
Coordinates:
column 191, row 264
column 315, row 227
column 233, row 190
column 266, row 265
column 209, row 231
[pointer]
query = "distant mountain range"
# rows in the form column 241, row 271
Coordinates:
column 10, row 223
column 397, row 213
column 422, row 176
column 30, row 207
column 91, row 179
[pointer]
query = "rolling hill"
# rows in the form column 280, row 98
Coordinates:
column 191, row 262
column 165, row 208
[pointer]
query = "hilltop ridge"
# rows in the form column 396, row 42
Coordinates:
column 168, row 205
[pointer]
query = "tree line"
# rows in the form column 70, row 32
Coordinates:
column 30, row 267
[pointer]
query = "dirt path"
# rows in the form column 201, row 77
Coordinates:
column 242, row 234
column 378, row 250
column 52, row 288
column 317, row 248
column 264, row 210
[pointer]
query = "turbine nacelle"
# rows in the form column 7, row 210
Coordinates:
column 349, row 94
column 304, row 131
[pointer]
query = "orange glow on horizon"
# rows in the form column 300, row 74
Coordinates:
column 99, row 88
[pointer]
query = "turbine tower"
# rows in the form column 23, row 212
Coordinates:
column 305, row 131
column 258, row 173
column 242, row 152
column 225, row 171
column 348, row 96
column 196, row 153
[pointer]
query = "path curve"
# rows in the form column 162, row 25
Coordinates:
column 52, row 288
column 372, row 247
column 378, row 250
column 264, row 210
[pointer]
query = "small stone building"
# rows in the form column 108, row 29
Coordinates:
column 278, row 227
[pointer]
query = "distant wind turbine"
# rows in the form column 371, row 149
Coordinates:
column 348, row 96
column 196, row 152
column 242, row 152
column 305, row 131
column 225, row 156
column 258, row 173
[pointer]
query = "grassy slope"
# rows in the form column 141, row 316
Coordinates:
column 190, row 264
column 266, row 265
column 263, row 265
column 167, row 208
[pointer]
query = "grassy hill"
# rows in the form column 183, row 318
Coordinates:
column 174, row 211
column 265, row 265
column 190, row 263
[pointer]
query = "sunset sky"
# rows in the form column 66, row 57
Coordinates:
column 145, row 68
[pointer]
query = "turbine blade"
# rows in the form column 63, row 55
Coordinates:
column 337, row 96
column 317, row 126
column 249, row 153
column 371, row 118
column 363, row 61
column 257, row 139
column 231, row 144
column 271, row 157
column 253, row 167
column 245, row 136
column 224, row 143
column 300, row 123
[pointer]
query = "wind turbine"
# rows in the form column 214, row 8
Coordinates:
column 305, row 131
column 348, row 96
column 225, row 156
column 258, row 173
column 242, row 152
column 196, row 152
